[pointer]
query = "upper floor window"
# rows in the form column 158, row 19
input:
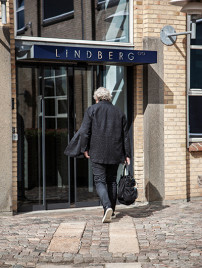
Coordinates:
column 57, row 10
column 99, row 20
column 112, row 20
column 198, row 40
column 20, row 14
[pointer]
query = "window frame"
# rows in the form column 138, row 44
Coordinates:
column 191, row 91
column 58, row 18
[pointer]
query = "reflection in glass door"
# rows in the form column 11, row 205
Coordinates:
column 53, row 114
column 30, row 172
column 51, row 105
column 84, row 191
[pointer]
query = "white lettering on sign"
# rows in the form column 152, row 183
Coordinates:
column 99, row 55
column 131, row 56
column 77, row 54
column 120, row 55
column 88, row 54
column 110, row 55
column 102, row 55
column 56, row 53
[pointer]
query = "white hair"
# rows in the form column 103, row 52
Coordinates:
column 102, row 94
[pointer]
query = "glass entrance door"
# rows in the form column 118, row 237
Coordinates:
column 51, row 105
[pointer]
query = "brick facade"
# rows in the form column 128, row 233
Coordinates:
column 182, row 170
column 181, row 167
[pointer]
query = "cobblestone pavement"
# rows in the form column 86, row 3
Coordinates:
column 169, row 236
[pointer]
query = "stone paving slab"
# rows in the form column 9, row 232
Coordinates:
column 67, row 237
column 123, row 238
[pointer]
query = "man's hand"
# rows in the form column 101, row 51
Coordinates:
column 86, row 154
column 127, row 160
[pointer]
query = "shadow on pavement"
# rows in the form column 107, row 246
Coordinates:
column 140, row 212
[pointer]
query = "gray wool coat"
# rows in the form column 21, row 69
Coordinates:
column 104, row 134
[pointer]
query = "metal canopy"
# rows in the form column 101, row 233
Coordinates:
column 85, row 54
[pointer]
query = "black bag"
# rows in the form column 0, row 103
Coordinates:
column 127, row 190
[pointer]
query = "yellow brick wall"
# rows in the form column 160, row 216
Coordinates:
column 138, row 103
column 181, row 167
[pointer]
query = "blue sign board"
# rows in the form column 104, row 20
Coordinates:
column 99, row 55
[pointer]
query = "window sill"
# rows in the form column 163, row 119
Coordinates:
column 195, row 147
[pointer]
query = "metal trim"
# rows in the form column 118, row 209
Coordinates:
column 43, row 143
column 131, row 37
column 47, row 40
column 196, row 46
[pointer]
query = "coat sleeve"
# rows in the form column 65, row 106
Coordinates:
column 85, row 131
column 126, row 139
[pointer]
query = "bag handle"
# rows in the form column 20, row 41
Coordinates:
column 125, row 168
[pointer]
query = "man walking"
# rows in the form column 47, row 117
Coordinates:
column 104, row 139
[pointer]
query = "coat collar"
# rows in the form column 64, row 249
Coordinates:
column 104, row 102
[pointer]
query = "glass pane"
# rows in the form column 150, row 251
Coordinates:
column 49, row 87
column 112, row 21
column 114, row 80
column 20, row 19
column 198, row 40
column 62, row 123
column 57, row 190
column 30, row 186
column 85, row 190
column 195, row 115
column 61, row 86
column 20, row 3
column 52, row 9
column 48, row 72
column 49, row 107
column 196, row 69
column 62, row 106
column 50, row 125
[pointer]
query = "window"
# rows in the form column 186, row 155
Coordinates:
column 195, row 86
column 195, row 104
column 196, row 69
column 198, row 40
column 57, row 10
column 93, row 20
column 20, row 14
column 112, row 20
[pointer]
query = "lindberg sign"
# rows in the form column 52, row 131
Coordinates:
column 83, row 54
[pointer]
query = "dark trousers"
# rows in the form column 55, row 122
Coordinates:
column 105, row 181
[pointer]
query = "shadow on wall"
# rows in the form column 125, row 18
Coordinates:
column 5, row 37
column 155, row 91
column 151, row 193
